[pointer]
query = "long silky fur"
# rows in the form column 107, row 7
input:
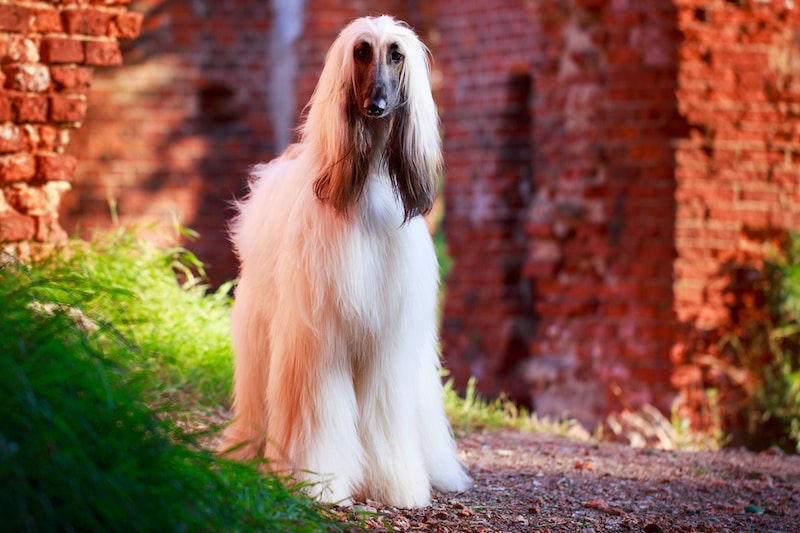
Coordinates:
column 334, row 321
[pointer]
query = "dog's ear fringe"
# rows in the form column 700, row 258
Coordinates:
column 341, row 182
column 415, row 179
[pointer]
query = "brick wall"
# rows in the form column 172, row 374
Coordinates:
column 560, row 207
column 613, row 168
column 48, row 50
column 485, row 99
column 170, row 135
column 738, row 175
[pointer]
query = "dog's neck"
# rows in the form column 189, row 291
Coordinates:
column 377, row 132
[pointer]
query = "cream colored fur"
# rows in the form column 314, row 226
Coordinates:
column 334, row 319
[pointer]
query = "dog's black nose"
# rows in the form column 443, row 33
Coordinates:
column 374, row 110
column 375, row 105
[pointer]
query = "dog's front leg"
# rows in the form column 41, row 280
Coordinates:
column 395, row 472
column 312, row 413
column 245, row 436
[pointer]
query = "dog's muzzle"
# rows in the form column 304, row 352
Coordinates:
column 375, row 105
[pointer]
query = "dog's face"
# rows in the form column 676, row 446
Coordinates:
column 377, row 77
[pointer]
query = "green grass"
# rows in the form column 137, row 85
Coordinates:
column 180, row 331
column 765, row 352
column 89, row 340
column 470, row 412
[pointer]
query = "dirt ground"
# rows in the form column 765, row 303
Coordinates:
column 527, row 482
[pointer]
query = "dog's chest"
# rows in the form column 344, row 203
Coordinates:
column 373, row 275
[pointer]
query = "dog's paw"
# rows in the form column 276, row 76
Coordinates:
column 410, row 501
column 454, row 481
column 403, row 491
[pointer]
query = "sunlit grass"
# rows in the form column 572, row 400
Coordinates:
column 470, row 413
column 89, row 340
column 180, row 330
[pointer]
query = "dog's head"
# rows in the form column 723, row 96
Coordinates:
column 373, row 105
column 376, row 77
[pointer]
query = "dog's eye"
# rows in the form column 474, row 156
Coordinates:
column 396, row 56
column 362, row 53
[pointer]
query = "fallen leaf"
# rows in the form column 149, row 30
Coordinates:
column 603, row 507
column 585, row 465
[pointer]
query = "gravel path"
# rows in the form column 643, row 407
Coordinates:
column 537, row 483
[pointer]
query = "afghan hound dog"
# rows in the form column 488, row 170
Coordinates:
column 334, row 319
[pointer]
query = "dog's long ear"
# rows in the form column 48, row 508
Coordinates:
column 333, row 128
column 414, row 152
column 343, row 172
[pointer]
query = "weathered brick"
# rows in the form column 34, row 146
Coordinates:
column 36, row 200
column 22, row 49
column 43, row 95
column 46, row 20
column 103, row 53
column 50, row 138
column 6, row 108
column 31, row 108
column 126, row 25
column 49, row 230
column 15, row 227
column 12, row 139
column 90, row 21
column 14, row 17
column 67, row 108
column 28, row 77
column 56, row 167
column 17, row 167
column 62, row 50
column 71, row 78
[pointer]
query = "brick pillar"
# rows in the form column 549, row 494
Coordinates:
column 485, row 96
column 737, row 178
column 48, row 50
column 559, row 123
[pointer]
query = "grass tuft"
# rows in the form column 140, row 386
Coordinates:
column 180, row 330
column 470, row 413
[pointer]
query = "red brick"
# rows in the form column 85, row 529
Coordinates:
column 31, row 108
column 28, row 78
column 14, row 18
column 12, row 138
column 46, row 21
column 67, row 108
column 126, row 25
column 56, row 167
column 21, row 49
column 62, row 50
column 15, row 227
column 103, row 53
column 92, row 22
column 48, row 138
column 71, row 78
column 36, row 200
column 48, row 229
column 17, row 167
column 6, row 109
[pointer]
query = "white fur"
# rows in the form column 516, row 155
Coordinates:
column 334, row 320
